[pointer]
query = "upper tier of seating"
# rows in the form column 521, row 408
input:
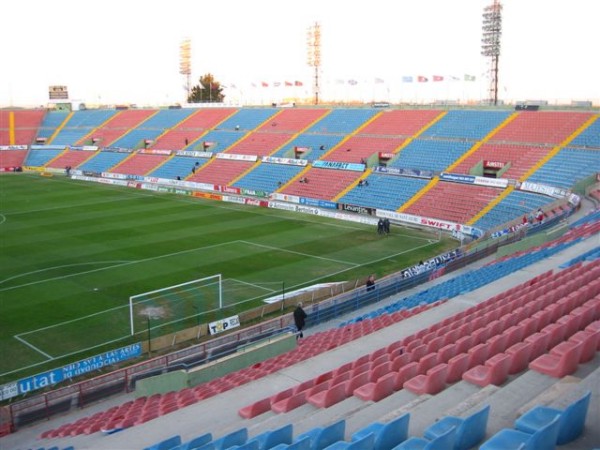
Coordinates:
column 310, row 145
column 360, row 148
column 590, row 137
column 519, row 158
column 259, row 143
column 52, row 120
column 24, row 124
column 342, row 121
column 567, row 167
column 191, row 129
column 79, row 124
column 430, row 154
column 472, row 125
column 549, row 127
column 116, row 127
column 247, row 119
column 400, row 122
column 292, row 120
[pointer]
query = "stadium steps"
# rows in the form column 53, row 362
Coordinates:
column 558, row 148
column 491, row 205
column 478, row 145
column 298, row 133
column 90, row 135
column 59, row 128
column 60, row 155
column 434, row 181
column 352, row 185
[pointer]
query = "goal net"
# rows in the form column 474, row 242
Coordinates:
column 174, row 304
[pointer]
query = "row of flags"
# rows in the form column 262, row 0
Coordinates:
column 417, row 79
column 353, row 82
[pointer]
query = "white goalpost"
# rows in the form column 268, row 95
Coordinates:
column 178, row 302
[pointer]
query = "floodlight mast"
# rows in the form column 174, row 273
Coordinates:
column 313, row 43
column 185, row 65
column 490, row 44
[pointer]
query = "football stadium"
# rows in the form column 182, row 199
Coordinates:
column 155, row 259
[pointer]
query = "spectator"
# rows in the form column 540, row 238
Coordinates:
column 299, row 320
column 371, row 283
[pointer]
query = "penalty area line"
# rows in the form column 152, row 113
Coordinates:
column 33, row 347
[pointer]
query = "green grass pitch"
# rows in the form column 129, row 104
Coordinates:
column 72, row 253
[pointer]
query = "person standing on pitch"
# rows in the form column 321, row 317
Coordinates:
column 299, row 320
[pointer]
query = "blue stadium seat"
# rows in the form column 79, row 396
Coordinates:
column 444, row 441
column 321, row 437
column 271, row 438
column 364, row 443
column 196, row 442
column 572, row 419
column 511, row 439
column 387, row 435
column 166, row 444
column 237, row 437
column 469, row 430
column 298, row 444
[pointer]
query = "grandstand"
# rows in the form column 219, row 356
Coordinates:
column 479, row 332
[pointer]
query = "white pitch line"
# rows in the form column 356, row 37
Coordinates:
column 301, row 254
column 252, row 284
column 167, row 255
column 33, row 347
column 3, row 217
column 59, row 267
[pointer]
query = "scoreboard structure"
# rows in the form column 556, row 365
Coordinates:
column 58, row 93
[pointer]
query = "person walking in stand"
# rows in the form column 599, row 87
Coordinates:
column 299, row 320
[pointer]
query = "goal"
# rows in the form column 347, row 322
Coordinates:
column 175, row 303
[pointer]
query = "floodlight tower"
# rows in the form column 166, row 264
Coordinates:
column 490, row 44
column 185, row 65
column 313, row 42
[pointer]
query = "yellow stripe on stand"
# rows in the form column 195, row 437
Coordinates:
column 133, row 153
column 294, row 136
column 558, row 148
column 11, row 128
column 352, row 185
column 60, row 127
column 291, row 180
column 161, row 164
column 434, row 181
column 478, row 144
column 354, row 133
column 409, row 139
column 65, row 150
column 490, row 205
column 102, row 125
column 245, row 172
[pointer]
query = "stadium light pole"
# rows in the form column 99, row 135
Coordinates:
column 313, row 43
column 490, row 44
column 185, row 64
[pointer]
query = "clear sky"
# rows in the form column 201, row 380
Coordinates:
column 127, row 51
